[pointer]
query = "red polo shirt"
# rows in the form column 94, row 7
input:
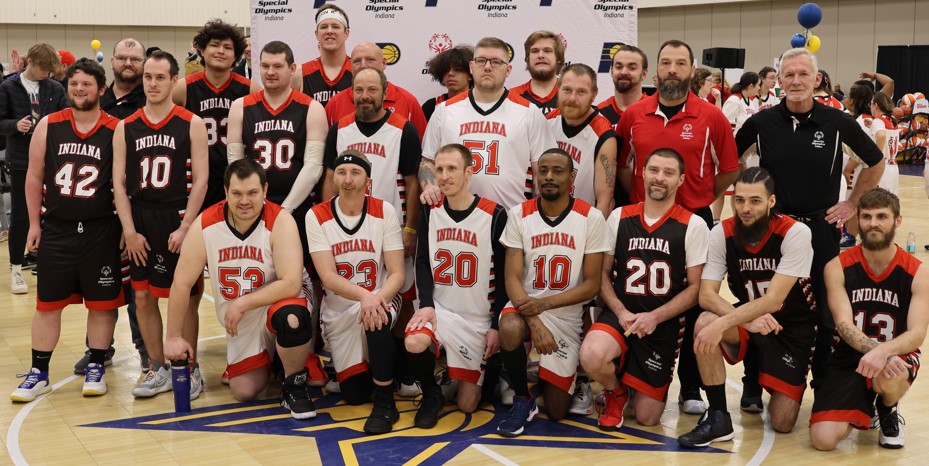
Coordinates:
column 398, row 100
column 699, row 132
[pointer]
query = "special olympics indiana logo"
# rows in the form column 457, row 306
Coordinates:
column 440, row 43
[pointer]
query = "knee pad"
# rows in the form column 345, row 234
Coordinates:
column 287, row 336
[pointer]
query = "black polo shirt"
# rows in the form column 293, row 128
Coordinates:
column 124, row 107
column 804, row 155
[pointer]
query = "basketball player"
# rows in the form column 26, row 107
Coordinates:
column 553, row 258
column 358, row 252
column 544, row 60
column 878, row 298
column 458, row 259
column 656, row 255
column 70, row 175
column 398, row 100
column 767, row 98
column 209, row 93
column 331, row 72
column 159, row 179
column 504, row 132
column 586, row 136
column 450, row 69
column 767, row 257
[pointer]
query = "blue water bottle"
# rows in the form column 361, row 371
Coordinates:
column 180, row 381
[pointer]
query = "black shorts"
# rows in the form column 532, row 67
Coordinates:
column 80, row 262
column 844, row 395
column 783, row 358
column 645, row 364
column 156, row 225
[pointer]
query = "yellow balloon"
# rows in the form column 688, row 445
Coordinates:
column 95, row 44
column 813, row 44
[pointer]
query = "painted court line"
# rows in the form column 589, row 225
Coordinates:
column 494, row 455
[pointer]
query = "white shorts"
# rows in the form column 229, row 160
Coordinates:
column 254, row 345
column 464, row 341
column 560, row 367
column 346, row 337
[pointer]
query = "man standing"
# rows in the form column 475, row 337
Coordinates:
column 586, row 136
column 159, row 180
column 504, row 132
column 544, row 60
column 398, row 100
column 553, row 260
column 657, row 251
column 767, row 258
column 125, row 95
column 676, row 118
column 314, row 77
column 210, row 93
column 878, row 297
column 244, row 66
column 357, row 251
column 26, row 98
column 800, row 143
column 249, row 245
column 70, row 175
column 458, row 256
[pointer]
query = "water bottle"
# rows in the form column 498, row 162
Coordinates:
column 911, row 243
column 180, row 381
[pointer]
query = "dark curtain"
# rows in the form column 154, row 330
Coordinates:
column 907, row 65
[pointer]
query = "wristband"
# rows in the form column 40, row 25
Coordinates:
column 409, row 230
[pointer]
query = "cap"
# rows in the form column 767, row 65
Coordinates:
column 67, row 58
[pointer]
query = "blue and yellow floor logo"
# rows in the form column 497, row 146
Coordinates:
column 340, row 439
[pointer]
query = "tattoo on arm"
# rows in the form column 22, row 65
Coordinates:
column 855, row 338
column 512, row 252
column 609, row 168
column 426, row 176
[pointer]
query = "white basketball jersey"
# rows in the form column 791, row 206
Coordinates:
column 582, row 143
column 239, row 264
column 892, row 135
column 554, row 249
column 383, row 151
column 504, row 140
column 462, row 258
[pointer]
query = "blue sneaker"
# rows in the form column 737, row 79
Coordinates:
column 847, row 241
column 94, row 381
column 36, row 384
column 521, row 414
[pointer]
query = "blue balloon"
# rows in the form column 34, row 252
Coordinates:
column 100, row 57
column 798, row 40
column 809, row 15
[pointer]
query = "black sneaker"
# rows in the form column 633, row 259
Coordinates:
column 382, row 418
column 715, row 426
column 751, row 399
column 431, row 404
column 29, row 262
column 295, row 396
column 81, row 365
column 891, row 435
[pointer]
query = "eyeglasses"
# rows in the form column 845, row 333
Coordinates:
column 494, row 62
column 133, row 60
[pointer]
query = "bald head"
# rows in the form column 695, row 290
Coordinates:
column 130, row 44
column 367, row 55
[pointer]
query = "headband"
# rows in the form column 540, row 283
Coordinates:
column 349, row 158
column 329, row 13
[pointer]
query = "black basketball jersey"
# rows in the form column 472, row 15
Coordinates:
column 158, row 171
column 79, row 168
column 650, row 263
column 212, row 104
column 545, row 103
column 880, row 304
column 321, row 88
column 751, row 268
column 276, row 138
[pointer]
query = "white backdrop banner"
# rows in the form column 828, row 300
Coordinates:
column 410, row 32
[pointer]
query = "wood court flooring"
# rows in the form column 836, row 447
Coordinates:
column 53, row 429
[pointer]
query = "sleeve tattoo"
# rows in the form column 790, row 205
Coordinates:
column 609, row 168
column 426, row 176
column 855, row 338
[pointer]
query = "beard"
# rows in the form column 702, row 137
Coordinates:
column 127, row 76
column 549, row 195
column 542, row 75
column 752, row 234
column 572, row 112
column 673, row 89
column 89, row 103
column 368, row 113
column 623, row 86
column 878, row 244
column 658, row 194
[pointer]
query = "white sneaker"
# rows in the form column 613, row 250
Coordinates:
column 206, row 272
column 407, row 387
column 332, row 386
column 448, row 385
column 692, row 406
column 36, row 384
column 583, row 400
column 18, row 283
column 506, row 393
column 197, row 384
column 94, row 380
column 157, row 380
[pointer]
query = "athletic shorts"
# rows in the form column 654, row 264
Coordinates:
column 346, row 337
column 156, row 276
column 254, row 346
column 560, row 367
column 80, row 262
column 409, row 295
column 783, row 358
column 844, row 395
column 645, row 364
column 464, row 341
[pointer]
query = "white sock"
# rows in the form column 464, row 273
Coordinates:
column 17, row 268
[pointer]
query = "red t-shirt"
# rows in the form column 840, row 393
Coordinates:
column 398, row 100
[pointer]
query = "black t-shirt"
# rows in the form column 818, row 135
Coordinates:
column 670, row 110
column 126, row 105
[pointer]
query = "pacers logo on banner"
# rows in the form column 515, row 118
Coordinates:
column 391, row 52
column 606, row 55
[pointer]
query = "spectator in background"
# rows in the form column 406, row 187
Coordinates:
column 702, row 84
column 244, row 66
column 451, row 69
column 67, row 59
column 124, row 95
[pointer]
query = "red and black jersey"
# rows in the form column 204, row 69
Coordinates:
column 158, row 172
column 650, row 266
column 880, row 303
column 547, row 103
column 611, row 111
column 751, row 268
column 276, row 138
column 212, row 104
column 320, row 87
column 79, row 168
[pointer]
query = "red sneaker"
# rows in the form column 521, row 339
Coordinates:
column 611, row 416
column 317, row 376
